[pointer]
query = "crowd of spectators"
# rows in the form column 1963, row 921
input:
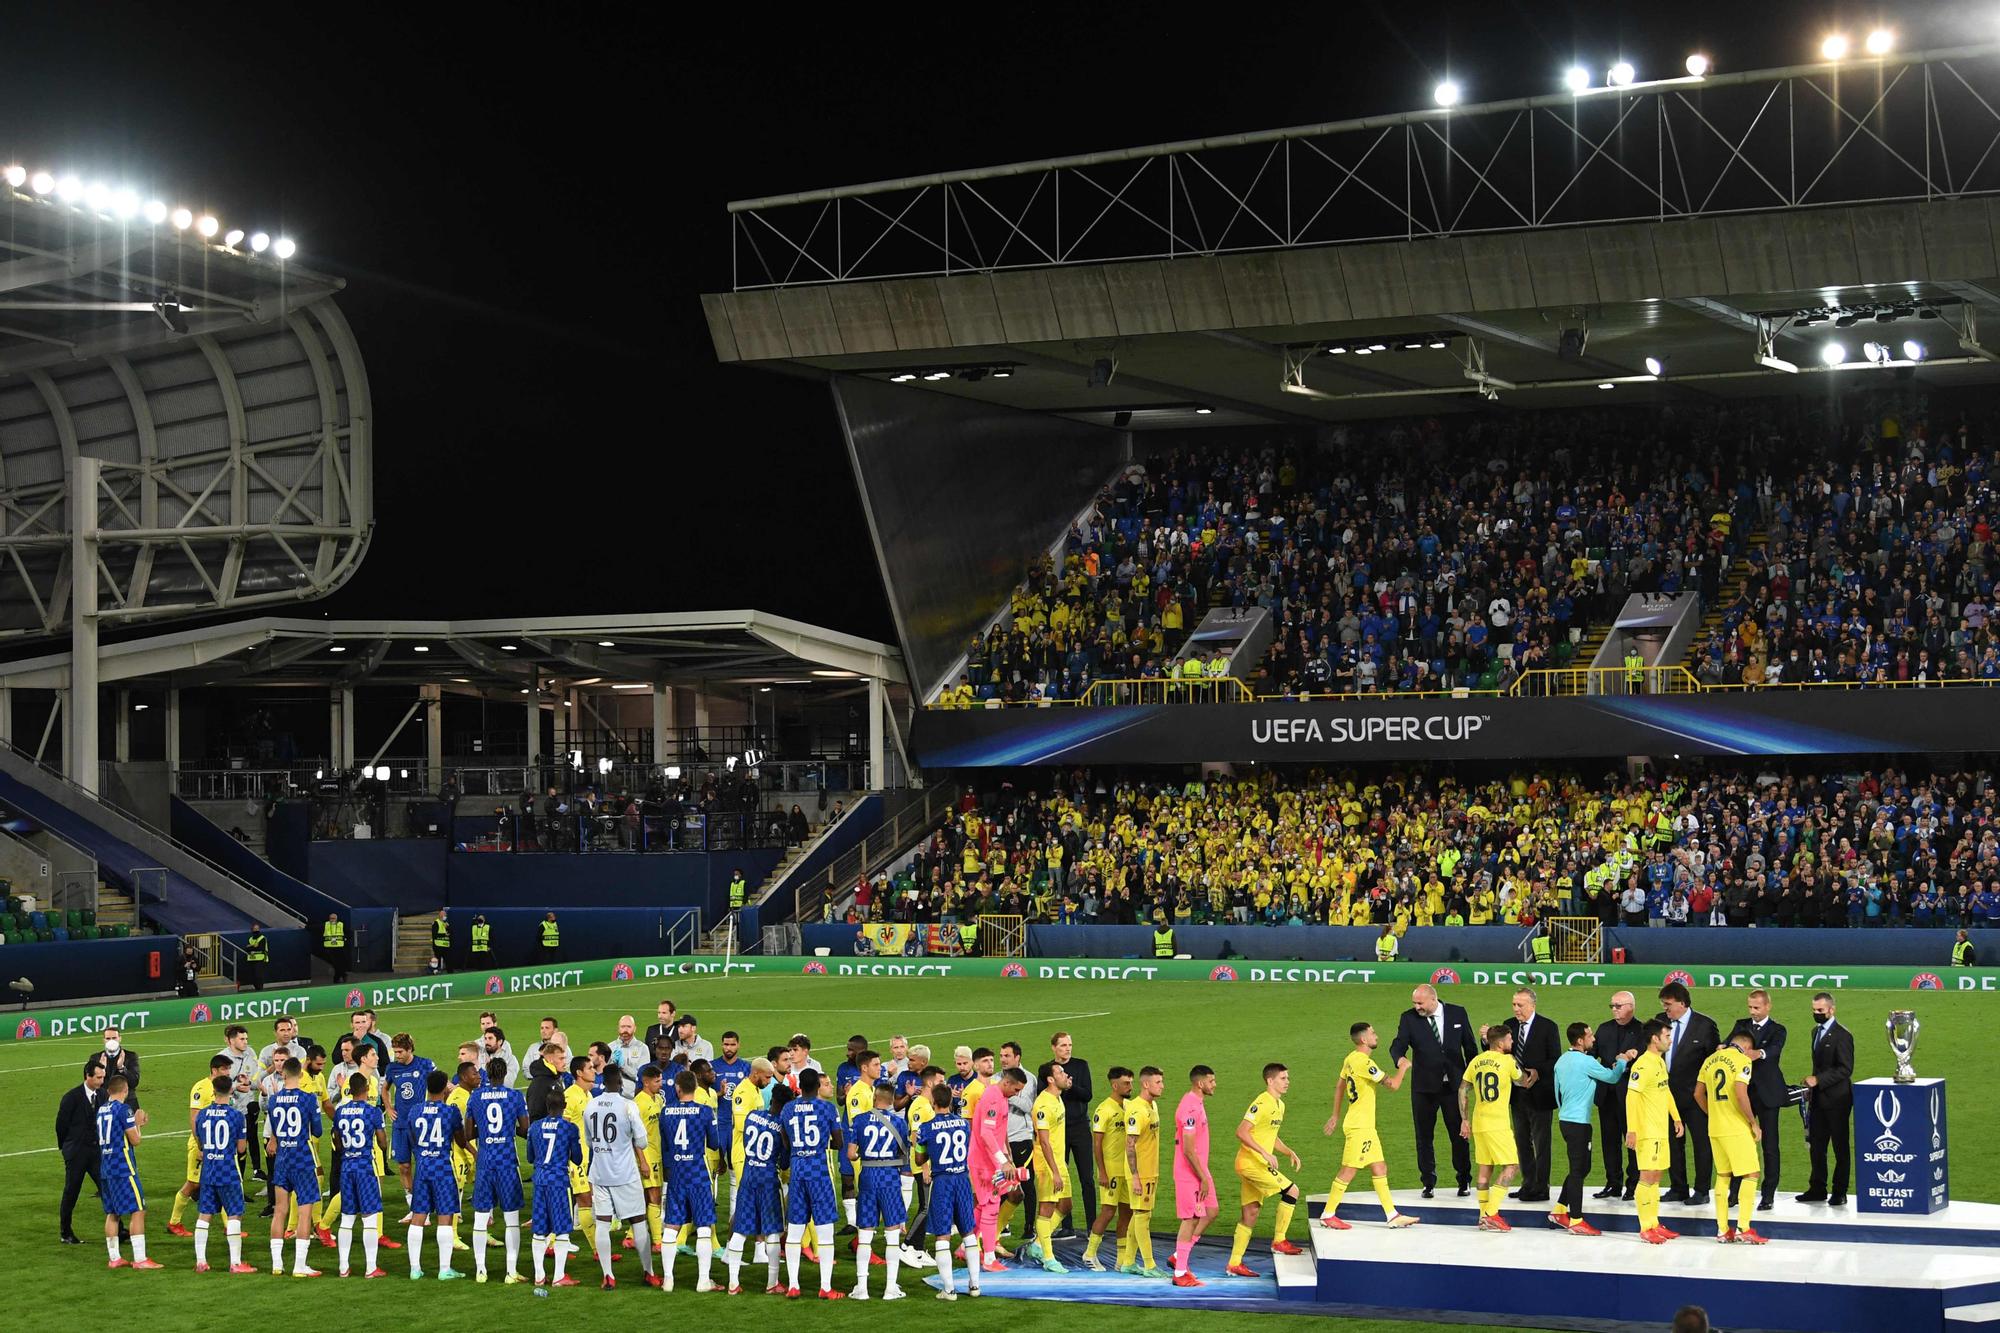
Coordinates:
column 1721, row 847
column 1411, row 555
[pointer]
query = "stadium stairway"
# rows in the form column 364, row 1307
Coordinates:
column 195, row 896
column 116, row 908
column 1739, row 578
column 413, row 942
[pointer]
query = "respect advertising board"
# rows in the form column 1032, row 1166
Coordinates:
column 310, row 1001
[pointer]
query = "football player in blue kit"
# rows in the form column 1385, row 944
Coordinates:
column 878, row 1141
column 757, row 1212
column 291, row 1123
column 357, row 1133
column 812, row 1128
column 434, row 1127
column 220, row 1135
column 689, row 1131
column 945, row 1144
column 498, row 1114
column 554, row 1149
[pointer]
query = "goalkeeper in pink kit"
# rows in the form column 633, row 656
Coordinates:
column 1194, row 1188
column 993, row 1171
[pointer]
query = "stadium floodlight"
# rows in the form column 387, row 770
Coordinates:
column 1447, row 93
column 903, row 378
column 1656, row 367
column 1880, row 42
column 42, row 183
column 234, row 238
column 1697, row 65
column 604, row 764
column 1875, row 352
column 15, row 176
column 1834, row 47
column 125, row 204
column 1436, row 343
column 1607, row 384
column 284, row 247
column 1002, row 372
column 1576, row 78
column 69, row 189
column 97, row 198
column 1204, row 411
column 421, row 648
column 936, row 375
column 1621, row 74
column 182, row 219
column 1833, row 354
column 208, row 226
column 673, row 772
column 260, row 241
column 155, row 212
column 1363, row 351
column 1913, row 350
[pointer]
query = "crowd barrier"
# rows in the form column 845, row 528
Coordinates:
column 1485, row 944
column 77, row 969
column 310, row 1001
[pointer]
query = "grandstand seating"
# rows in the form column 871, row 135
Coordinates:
column 1713, row 847
column 1406, row 556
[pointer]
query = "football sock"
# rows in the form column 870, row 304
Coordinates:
column 732, row 1260
column 604, row 1245
column 1090, row 1243
column 371, row 1238
column 1238, row 1245
column 138, row 1247
column 864, row 1246
column 560, row 1246
column 1721, row 1204
column 825, row 1233
column 1281, row 1220
column 681, row 1236
column 1142, row 1234
column 704, row 1251
column 538, row 1252
column 847, row 1205
column 943, row 1259
column 1746, row 1207
column 653, row 1227
column 1334, row 1194
column 974, row 1256
column 1007, row 1213
column 300, row 1247
column 1485, row 1202
column 892, row 1241
column 1181, row 1252
column 111, row 1244
column 445, row 1236
column 642, row 1240
column 451, row 1241
column 794, row 1243
column 1648, row 1199
column 181, row 1202
column 1125, row 1246
column 774, row 1258
column 232, row 1227
column 1388, row 1199
column 277, row 1254
column 201, row 1241
column 415, row 1242
column 346, row 1242
column 513, row 1222
column 329, row 1209
column 1045, row 1230
column 480, row 1235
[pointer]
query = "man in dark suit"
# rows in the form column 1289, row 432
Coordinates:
column 1829, row 1102
column 1767, row 1086
column 1614, row 1037
column 121, row 1061
column 1082, row 1168
column 1537, row 1046
column 1691, row 1038
column 76, row 1139
column 1436, row 1040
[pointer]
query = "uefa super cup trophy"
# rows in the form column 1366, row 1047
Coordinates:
column 1903, row 1028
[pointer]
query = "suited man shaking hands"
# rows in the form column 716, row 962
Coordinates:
column 1436, row 1040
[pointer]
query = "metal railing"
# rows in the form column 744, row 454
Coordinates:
column 902, row 824
column 692, row 831
column 1565, row 682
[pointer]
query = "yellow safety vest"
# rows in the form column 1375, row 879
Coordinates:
column 1163, row 944
column 551, row 935
column 1540, row 945
column 1635, row 668
column 257, row 949
column 1961, row 953
column 335, row 935
column 968, row 935
column 738, row 889
column 482, row 938
column 440, row 934
column 1385, row 948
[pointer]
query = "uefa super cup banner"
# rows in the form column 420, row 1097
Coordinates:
column 1391, row 727
column 312, row 1001
column 1900, row 1154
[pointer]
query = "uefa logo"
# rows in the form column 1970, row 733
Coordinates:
column 815, row 968
column 1444, row 976
column 1224, row 972
column 199, row 1014
column 1677, row 975
column 622, row 972
column 1013, row 971
column 1927, row 981
column 494, row 986
column 356, row 1000
column 27, row 1030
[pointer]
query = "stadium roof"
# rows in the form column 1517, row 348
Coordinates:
column 686, row 648
column 1698, row 222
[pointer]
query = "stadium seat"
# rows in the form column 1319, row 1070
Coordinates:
column 75, row 919
column 45, row 936
column 89, row 916
column 40, row 921
column 61, row 934
column 90, row 933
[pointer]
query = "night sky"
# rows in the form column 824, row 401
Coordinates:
column 526, row 204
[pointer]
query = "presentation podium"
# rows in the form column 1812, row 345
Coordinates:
column 1900, row 1147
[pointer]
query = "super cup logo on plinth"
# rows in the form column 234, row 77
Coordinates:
column 1888, row 1110
column 1937, row 1120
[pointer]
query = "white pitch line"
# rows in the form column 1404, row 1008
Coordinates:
column 30, row 1152
column 1017, row 1022
column 146, row 1054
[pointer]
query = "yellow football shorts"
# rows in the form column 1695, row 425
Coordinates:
column 1735, row 1155
column 1493, row 1148
column 1651, row 1154
column 1259, row 1181
column 1361, row 1151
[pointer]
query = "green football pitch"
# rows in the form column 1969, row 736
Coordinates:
column 1235, row 1029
